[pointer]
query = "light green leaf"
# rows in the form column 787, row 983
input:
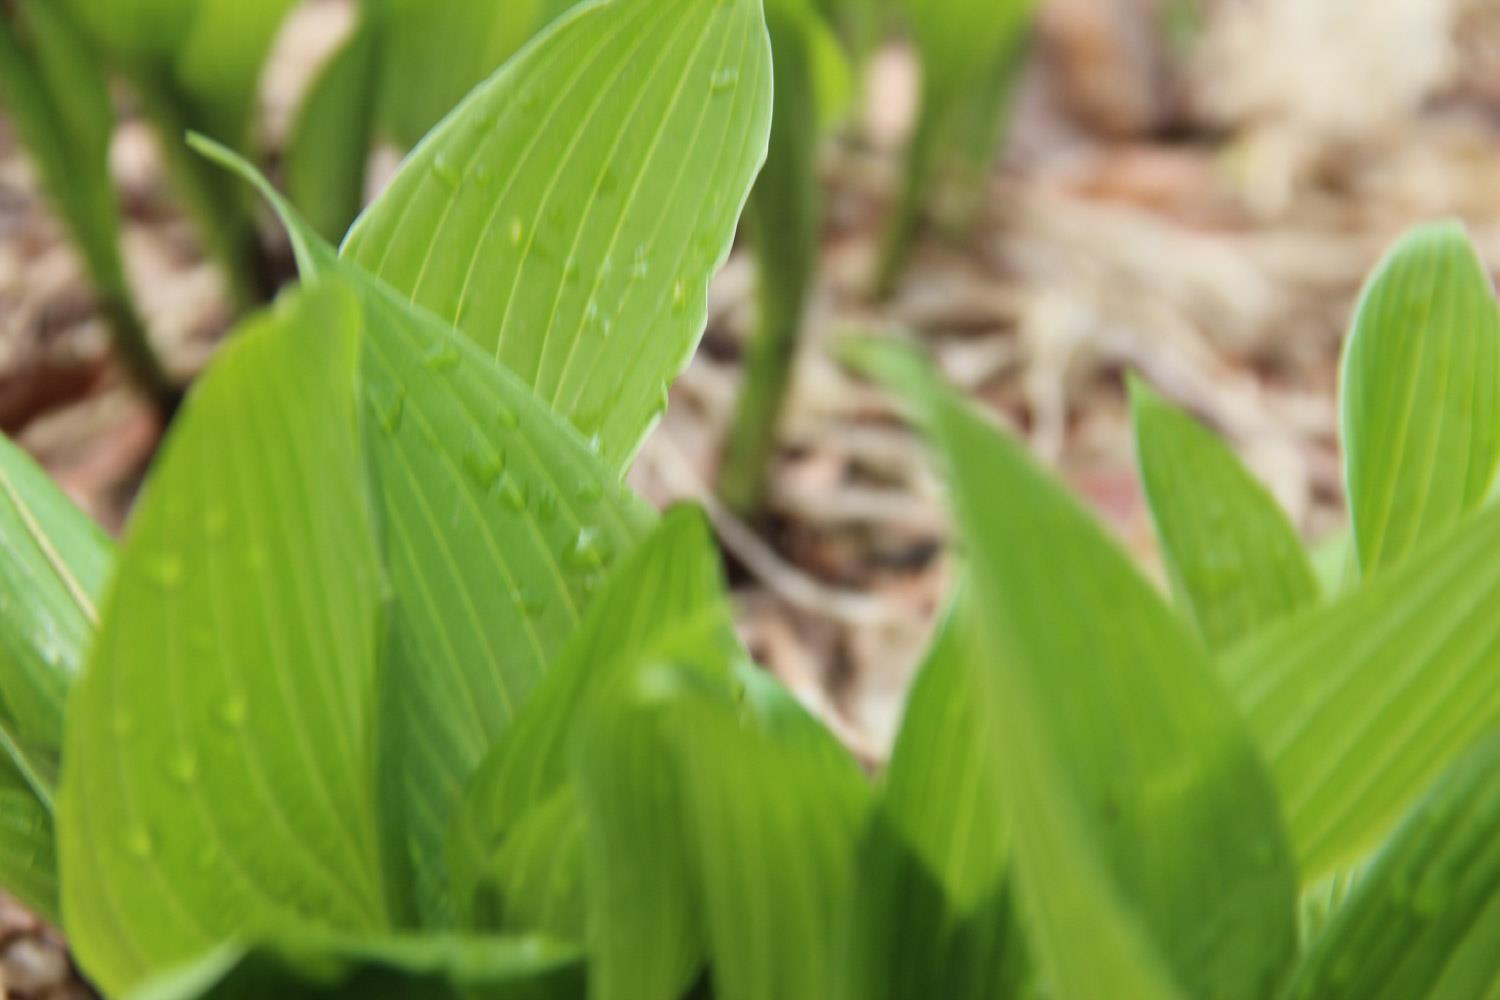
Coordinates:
column 485, row 494
column 933, row 859
column 1148, row 818
column 497, row 523
column 325, row 159
column 1235, row 562
column 28, row 856
column 664, row 602
column 1358, row 705
column 1421, row 922
column 54, row 565
column 567, row 217
column 1420, row 394
column 217, row 64
column 538, row 871
column 218, row 779
column 437, row 967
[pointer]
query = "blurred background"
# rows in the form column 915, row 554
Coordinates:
column 1192, row 189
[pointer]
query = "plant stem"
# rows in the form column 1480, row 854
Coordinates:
column 133, row 347
column 906, row 212
column 783, row 216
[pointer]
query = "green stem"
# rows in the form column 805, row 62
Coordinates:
column 218, row 207
column 782, row 216
column 906, row 212
column 133, row 347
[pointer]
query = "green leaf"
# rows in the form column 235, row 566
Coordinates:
column 497, row 522
column 329, row 148
column 933, row 859
column 218, row 779
column 426, row 968
column 28, row 856
column 485, row 494
column 1148, row 818
column 568, row 215
column 1420, row 392
column 436, row 53
column 55, row 563
column 538, row 871
column 664, row 602
column 768, row 808
column 1421, row 922
column 1359, row 704
column 1236, row 563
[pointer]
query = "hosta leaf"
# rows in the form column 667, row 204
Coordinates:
column 436, row 53
column 1420, row 393
column 538, row 871
column 1235, row 562
column 933, row 858
column 665, row 598
column 568, row 215
column 28, row 857
column 1421, row 922
column 1358, row 705
column 427, row 968
column 54, row 565
column 487, row 495
column 664, row 602
column 325, row 158
column 1142, row 812
column 219, row 777
column 497, row 523
column 768, row 808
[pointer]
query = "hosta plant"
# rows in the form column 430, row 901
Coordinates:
column 393, row 689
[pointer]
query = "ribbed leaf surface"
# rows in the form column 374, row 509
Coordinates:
column 567, row 217
column 219, row 777
column 1235, row 562
column 1420, row 391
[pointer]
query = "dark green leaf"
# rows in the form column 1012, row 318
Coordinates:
column 1420, row 392
column 219, row 778
column 1144, row 815
column 1235, row 562
column 568, row 215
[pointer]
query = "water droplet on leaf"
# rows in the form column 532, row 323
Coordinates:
column 442, row 357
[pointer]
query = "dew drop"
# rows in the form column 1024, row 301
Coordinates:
column 184, row 768
column 608, row 182
column 596, row 443
column 517, row 231
column 529, row 602
column 640, row 266
column 679, row 295
column 442, row 357
column 445, row 171
column 725, row 79
column 165, row 569
column 507, row 417
column 663, row 399
column 484, row 466
column 139, row 842
column 589, row 550
column 512, row 494
column 591, row 314
column 546, row 504
column 482, row 174
column 588, row 491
